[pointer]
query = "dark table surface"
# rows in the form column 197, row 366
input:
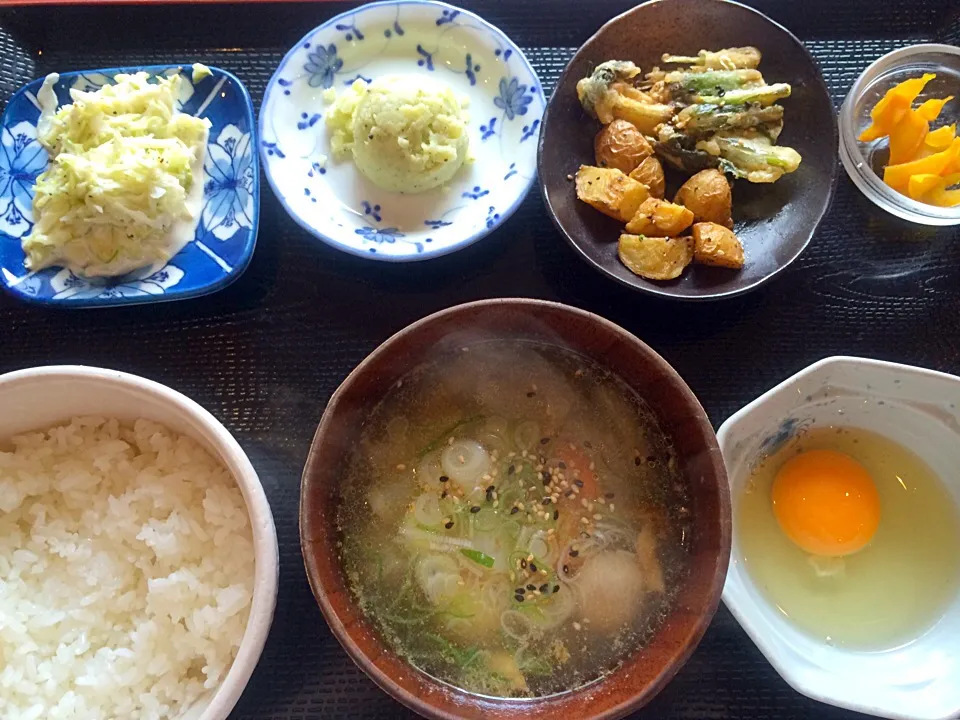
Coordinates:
column 266, row 353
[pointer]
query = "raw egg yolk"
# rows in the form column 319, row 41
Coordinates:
column 826, row 503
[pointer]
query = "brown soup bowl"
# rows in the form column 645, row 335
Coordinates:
column 646, row 671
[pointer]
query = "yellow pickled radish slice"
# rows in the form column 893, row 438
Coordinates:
column 941, row 194
column 930, row 109
column 907, row 136
column 921, row 184
column 893, row 106
column 941, row 138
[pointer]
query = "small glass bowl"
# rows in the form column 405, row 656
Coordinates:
column 864, row 162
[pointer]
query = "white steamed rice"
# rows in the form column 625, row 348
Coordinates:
column 126, row 572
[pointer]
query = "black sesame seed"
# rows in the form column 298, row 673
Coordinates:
column 608, row 496
column 651, row 459
column 514, row 511
column 475, row 509
column 533, row 568
column 546, row 501
column 518, row 598
column 569, row 493
column 511, row 470
column 562, row 465
column 544, row 588
column 443, row 478
column 523, row 563
column 556, row 588
column 443, row 494
column 518, row 591
column 556, row 514
column 574, row 553
column 566, row 570
column 531, row 394
column 546, row 478
column 587, row 444
column 531, row 587
column 544, row 441
column 491, row 488
column 578, row 483
column 637, row 461
column 449, row 525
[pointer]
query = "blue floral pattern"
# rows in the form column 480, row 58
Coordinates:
column 148, row 281
column 228, row 193
column 341, row 207
column 379, row 235
column 22, row 159
column 513, row 98
column 322, row 65
column 226, row 229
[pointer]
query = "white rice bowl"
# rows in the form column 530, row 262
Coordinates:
column 126, row 572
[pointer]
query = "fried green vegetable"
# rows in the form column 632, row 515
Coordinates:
column 592, row 90
column 680, row 151
column 762, row 95
column 701, row 119
column 754, row 159
column 712, row 80
column 726, row 59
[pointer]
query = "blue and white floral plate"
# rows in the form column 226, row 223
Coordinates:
column 341, row 207
column 226, row 232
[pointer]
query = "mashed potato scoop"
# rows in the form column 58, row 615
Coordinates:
column 406, row 133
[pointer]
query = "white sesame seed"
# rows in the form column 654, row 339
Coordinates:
column 611, row 507
column 584, row 521
column 598, row 516
column 576, row 626
column 401, row 466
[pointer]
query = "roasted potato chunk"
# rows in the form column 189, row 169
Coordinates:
column 650, row 173
column 610, row 191
column 655, row 258
column 620, row 145
column 716, row 245
column 707, row 195
column 659, row 218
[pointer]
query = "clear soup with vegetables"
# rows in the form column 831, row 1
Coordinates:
column 513, row 520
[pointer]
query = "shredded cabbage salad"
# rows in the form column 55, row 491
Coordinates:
column 122, row 166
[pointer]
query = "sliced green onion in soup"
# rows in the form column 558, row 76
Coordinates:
column 426, row 510
column 465, row 461
column 478, row 557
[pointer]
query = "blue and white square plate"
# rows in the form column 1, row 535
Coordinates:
column 227, row 229
column 333, row 200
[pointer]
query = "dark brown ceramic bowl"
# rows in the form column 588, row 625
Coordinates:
column 775, row 222
column 681, row 416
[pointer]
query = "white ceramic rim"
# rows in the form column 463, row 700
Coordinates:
column 859, row 171
column 318, row 232
column 744, row 617
column 266, row 552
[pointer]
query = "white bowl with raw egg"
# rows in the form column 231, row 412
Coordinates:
column 845, row 567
